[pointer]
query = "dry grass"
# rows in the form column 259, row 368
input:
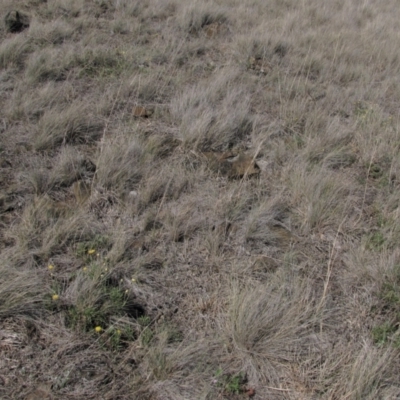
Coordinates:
column 135, row 265
column 73, row 125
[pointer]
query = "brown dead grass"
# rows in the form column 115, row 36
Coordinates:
column 203, row 282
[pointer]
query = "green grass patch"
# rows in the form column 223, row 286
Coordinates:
column 89, row 249
column 388, row 332
column 117, row 337
column 375, row 241
column 231, row 383
column 385, row 334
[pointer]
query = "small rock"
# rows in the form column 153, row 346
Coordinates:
column 133, row 194
column 141, row 112
column 16, row 22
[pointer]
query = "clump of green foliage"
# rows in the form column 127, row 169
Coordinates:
column 388, row 332
column 231, row 383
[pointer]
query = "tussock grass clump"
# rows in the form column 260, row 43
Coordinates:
column 65, row 9
column 321, row 205
column 358, row 378
column 90, row 302
column 22, row 107
column 274, row 324
column 169, row 367
column 99, row 62
column 37, row 180
column 152, row 89
column 217, row 118
column 268, row 224
column 167, row 185
column 260, row 53
column 46, row 65
column 386, row 330
column 72, row 125
column 121, row 163
column 53, row 33
column 195, row 16
column 71, row 166
column 22, row 292
column 49, row 227
column 51, row 64
column 13, row 52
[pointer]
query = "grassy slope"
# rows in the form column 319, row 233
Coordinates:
column 285, row 284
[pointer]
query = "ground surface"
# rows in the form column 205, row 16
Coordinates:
column 199, row 200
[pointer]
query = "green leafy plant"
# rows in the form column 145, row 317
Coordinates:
column 118, row 337
column 147, row 333
column 114, row 339
column 391, row 294
column 231, row 383
column 376, row 241
column 87, row 250
column 96, row 301
column 144, row 321
column 85, row 319
column 388, row 331
column 146, row 336
column 117, row 298
column 382, row 334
